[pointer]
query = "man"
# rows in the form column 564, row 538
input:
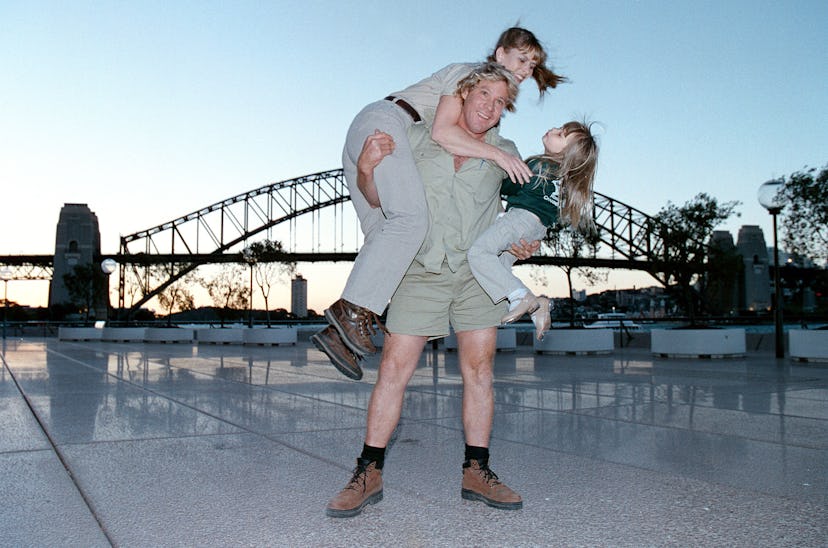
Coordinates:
column 439, row 290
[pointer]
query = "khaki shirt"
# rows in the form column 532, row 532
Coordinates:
column 425, row 94
column 461, row 204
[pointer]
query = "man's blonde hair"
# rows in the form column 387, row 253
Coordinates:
column 490, row 72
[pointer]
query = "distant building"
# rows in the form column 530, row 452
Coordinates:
column 724, row 279
column 299, row 297
column 645, row 302
column 77, row 242
column 755, row 294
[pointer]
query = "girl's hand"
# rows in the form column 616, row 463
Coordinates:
column 517, row 170
column 524, row 250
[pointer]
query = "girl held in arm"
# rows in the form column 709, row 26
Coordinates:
column 560, row 191
column 387, row 192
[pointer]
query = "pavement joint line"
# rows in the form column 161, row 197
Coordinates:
column 61, row 457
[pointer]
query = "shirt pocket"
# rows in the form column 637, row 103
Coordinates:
column 487, row 188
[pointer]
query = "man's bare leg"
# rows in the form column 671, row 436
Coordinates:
column 399, row 360
column 476, row 350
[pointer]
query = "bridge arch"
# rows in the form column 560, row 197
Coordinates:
column 630, row 238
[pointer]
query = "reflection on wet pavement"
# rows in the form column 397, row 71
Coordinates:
column 753, row 425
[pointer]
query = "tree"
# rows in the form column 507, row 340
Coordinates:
column 134, row 287
column 685, row 232
column 227, row 290
column 177, row 296
column 564, row 242
column 805, row 214
column 86, row 285
column 269, row 267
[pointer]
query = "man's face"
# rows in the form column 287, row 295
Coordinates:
column 482, row 107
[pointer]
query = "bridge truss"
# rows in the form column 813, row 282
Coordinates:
column 28, row 267
column 307, row 215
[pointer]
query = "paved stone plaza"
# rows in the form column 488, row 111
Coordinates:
column 197, row 445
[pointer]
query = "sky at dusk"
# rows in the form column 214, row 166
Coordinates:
column 149, row 110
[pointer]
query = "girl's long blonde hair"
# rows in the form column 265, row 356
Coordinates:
column 576, row 171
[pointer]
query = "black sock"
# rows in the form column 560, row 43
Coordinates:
column 375, row 454
column 480, row 454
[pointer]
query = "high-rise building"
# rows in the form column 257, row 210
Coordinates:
column 756, row 287
column 299, row 297
column 723, row 279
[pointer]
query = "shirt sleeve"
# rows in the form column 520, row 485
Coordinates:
column 451, row 76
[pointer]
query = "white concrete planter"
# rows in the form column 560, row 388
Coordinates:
column 169, row 335
column 219, row 335
column 270, row 336
column 698, row 343
column 576, row 341
column 123, row 334
column 506, row 340
column 79, row 333
column 808, row 345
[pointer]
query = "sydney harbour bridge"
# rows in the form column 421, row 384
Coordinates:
column 310, row 216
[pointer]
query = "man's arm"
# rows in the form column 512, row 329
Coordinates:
column 376, row 147
column 455, row 140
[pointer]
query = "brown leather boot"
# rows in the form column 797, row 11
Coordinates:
column 480, row 483
column 364, row 488
column 355, row 325
column 330, row 343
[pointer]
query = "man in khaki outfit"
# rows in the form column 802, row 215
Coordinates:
column 439, row 291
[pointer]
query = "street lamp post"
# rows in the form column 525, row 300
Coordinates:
column 771, row 200
column 250, row 259
column 108, row 266
column 5, row 275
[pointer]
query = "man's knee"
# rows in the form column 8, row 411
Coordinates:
column 480, row 369
column 399, row 358
column 476, row 350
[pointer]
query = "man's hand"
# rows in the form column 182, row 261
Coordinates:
column 376, row 147
column 524, row 250
column 518, row 172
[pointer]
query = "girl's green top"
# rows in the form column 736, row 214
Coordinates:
column 539, row 195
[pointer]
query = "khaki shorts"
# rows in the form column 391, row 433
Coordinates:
column 425, row 303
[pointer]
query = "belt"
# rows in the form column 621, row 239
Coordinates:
column 406, row 107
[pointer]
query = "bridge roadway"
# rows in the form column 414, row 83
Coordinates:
column 302, row 206
column 116, row 444
column 47, row 261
